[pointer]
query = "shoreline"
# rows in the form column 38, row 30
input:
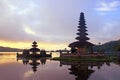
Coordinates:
column 108, row 59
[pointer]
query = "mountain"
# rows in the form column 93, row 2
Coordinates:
column 108, row 46
column 8, row 49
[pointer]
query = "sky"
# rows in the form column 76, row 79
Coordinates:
column 53, row 23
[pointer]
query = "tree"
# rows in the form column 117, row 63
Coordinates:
column 117, row 47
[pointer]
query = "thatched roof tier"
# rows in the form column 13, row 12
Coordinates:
column 34, row 50
column 34, row 42
column 80, row 44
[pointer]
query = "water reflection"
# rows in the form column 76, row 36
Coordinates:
column 46, row 69
column 34, row 63
column 7, row 58
column 82, row 70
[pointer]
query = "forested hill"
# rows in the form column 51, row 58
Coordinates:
column 109, row 46
column 8, row 49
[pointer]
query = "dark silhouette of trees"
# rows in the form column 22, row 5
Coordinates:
column 117, row 47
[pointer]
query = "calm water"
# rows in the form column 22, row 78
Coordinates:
column 17, row 69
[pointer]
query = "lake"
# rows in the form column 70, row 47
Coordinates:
column 12, row 68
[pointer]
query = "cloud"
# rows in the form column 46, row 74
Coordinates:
column 17, row 20
column 29, row 21
column 28, row 30
column 108, row 31
column 53, row 21
column 111, row 6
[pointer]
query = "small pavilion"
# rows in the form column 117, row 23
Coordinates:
column 34, row 48
column 81, row 45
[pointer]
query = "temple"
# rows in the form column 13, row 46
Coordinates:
column 33, row 52
column 81, row 45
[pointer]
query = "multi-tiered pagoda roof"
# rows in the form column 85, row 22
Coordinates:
column 82, row 39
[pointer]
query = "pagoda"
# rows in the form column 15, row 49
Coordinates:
column 34, row 48
column 34, row 52
column 82, row 44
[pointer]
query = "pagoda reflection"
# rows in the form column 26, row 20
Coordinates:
column 82, row 70
column 34, row 63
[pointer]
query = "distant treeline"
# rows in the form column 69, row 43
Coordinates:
column 108, row 47
column 8, row 49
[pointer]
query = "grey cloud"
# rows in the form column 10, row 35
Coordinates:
column 52, row 22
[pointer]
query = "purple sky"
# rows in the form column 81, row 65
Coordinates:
column 56, row 21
